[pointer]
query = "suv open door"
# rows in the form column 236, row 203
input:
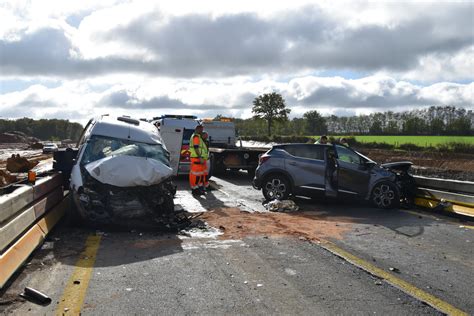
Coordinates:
column 331, row 174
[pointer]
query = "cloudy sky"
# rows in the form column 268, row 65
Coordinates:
column 77, row 59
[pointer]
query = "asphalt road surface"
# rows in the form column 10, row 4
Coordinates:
column 330, row 257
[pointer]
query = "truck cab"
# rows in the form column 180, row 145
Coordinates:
column 221, row 133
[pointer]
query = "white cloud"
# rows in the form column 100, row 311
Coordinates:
column 79, row 100
column 143, row 37
column 215, row 56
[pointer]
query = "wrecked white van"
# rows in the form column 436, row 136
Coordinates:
column 122, row 172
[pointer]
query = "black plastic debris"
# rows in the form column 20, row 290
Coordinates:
column 35, row 296
column 396, row 270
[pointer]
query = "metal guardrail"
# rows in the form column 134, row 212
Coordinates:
column 27, row 214
column 447, row 195
column 446, row 185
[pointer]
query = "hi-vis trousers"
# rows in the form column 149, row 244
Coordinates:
column 197, row 173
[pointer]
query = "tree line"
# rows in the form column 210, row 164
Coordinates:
column 271, row 117
column 44, row 129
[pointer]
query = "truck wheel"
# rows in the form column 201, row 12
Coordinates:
column 385, row 195
column 276, row 187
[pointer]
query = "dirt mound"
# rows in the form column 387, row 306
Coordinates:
column 17, row 137
column 237, row 224
column 36, row 146
column 20, row 164
column 434, row 164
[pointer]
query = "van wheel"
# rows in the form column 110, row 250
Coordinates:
column 276, row 187
column 385, row 195
column 72, row 214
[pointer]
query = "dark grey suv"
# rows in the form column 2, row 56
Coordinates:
column 331, row 170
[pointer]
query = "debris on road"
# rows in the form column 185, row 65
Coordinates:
column 396, row 270
column 285, row 206
column 35, row 296
column 200, row 229
column 238, row 225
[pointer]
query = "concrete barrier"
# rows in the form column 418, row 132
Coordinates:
column 25, row 194
column 12, row 203
column 11, row 230
column 14, row 257
column 26, row 215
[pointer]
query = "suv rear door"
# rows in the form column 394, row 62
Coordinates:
column 305, row 163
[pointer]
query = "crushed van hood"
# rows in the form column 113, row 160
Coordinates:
column 128, row 171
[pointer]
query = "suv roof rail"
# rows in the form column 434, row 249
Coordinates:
column 128, row 119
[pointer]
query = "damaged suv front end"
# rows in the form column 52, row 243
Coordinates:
column 122, row 173
column 403, row 179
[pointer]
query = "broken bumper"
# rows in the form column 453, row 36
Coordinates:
column 101, row 203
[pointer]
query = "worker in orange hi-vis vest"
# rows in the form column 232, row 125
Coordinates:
column 205, row 177
column 198, row 150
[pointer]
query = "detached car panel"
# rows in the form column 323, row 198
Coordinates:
column 332, row 170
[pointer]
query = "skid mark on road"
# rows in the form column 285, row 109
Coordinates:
column 76, row 288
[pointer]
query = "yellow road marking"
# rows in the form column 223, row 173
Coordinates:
column 406, row 287
column 74, row 294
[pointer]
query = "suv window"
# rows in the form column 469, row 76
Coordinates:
column 347, row 155
column 306, row 151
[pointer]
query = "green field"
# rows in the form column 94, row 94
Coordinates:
column 422, row 141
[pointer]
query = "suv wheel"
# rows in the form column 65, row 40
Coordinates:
column 385, row 195
column 276, row 187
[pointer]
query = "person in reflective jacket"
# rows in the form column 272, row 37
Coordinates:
column 198, row 150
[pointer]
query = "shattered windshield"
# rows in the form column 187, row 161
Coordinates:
column 99, row 147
